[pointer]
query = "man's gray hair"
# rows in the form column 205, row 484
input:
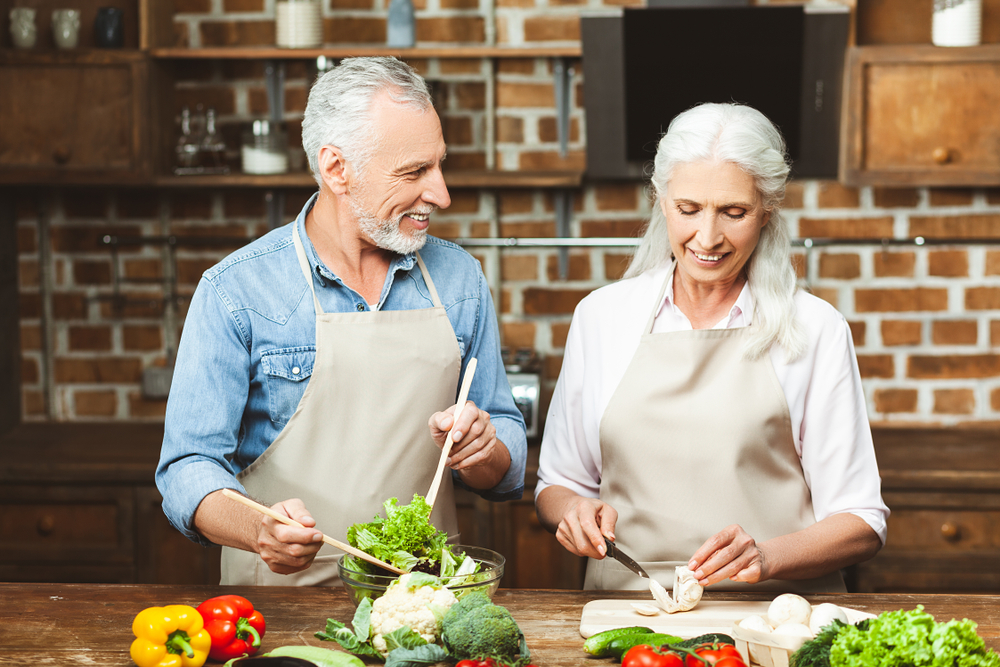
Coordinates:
column 338, row 111
column 744, row 136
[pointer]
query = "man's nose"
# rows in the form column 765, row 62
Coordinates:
column 436, row 192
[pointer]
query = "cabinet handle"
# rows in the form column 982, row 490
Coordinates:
column 62, row 155
column 950, row 531
column 941, row 155
column 46, row 524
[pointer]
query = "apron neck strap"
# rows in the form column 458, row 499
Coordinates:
column 427, row 279
column 659, row 300
column 300, row 251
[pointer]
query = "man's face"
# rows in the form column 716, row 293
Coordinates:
column 402, row 185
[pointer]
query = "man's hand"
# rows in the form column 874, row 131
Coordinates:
column 285, row 549
column 729, row 554
column 288, row 549
column 479, row 457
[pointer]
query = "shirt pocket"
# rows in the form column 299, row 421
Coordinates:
column 461, row 347
column 285, row 373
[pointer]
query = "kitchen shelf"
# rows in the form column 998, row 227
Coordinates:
column 484, row 178
column 339, row 51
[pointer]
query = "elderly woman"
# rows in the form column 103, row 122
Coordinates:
column 708, row 413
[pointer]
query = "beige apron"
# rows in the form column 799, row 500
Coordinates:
column 359, row 434
column 694, row 439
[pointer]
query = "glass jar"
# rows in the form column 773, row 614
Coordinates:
column 265, row 148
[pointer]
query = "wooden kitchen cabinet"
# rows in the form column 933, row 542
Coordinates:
column 78, row 504
column 80, row 117
column 942, row 486
column 920, row 115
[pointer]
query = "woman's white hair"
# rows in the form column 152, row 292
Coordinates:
column 337, row 113
column 745, row 137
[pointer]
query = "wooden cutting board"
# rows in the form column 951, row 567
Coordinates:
column 708, row 616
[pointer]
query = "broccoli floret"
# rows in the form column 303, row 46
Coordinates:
column 475, row 628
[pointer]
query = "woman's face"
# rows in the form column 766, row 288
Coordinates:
column 714, row 217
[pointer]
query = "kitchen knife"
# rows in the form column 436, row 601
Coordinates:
column 624, row 559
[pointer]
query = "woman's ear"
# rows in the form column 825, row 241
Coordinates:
column 333, row 169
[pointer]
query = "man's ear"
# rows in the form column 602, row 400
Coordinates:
column 333, row 169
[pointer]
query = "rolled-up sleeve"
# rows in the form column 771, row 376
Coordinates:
column 570, row 447
column 208, row 395
column 490, row 391
column 838, row 455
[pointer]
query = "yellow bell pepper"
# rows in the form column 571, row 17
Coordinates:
column 171, row 636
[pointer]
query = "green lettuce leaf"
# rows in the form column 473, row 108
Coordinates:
column 428, row 654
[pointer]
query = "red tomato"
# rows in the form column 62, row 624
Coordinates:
column 712, row 654
column 488, row 662
column 730, row 661
column 645, row 655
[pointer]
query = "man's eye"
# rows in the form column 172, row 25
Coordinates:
column 419, row 172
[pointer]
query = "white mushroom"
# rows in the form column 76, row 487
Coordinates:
column 758, row 653
column 686, row 593
column 823, row 615
column 789, row 608
column 794, row 630
column 645, row 609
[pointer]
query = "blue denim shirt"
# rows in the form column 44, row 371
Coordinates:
column 229, row 398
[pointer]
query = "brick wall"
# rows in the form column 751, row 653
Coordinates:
column 926, row 319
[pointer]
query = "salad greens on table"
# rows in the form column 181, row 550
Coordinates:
column 407, row 539
column 897, row 639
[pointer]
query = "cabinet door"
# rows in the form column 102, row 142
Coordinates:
column 921, row 115
column 72, row 118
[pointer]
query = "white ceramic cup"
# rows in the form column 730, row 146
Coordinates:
column 66, row 27
column 23, row 31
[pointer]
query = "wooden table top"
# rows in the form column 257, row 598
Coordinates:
column 91, row 624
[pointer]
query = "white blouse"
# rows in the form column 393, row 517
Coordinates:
column 822, row 388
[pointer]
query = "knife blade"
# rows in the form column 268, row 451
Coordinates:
column 624, row 558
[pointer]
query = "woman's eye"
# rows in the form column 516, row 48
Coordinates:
column 736, row 214
column 685, row 211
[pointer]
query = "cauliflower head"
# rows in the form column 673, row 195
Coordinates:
column 420, row 608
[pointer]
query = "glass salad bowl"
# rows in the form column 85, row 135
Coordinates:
column 361, row 585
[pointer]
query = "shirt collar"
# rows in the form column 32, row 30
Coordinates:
column 399, row 262
column 740, row 315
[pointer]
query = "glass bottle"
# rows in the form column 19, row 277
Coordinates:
column 187, row 147
column 213, row 147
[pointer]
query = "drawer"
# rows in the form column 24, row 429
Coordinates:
column 943, row 530
column 928, row 572
column 66, row 524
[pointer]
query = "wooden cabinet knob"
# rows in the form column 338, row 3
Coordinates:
column 950, row 531
column 62, row 155
column 942, row 155
column 46, row 524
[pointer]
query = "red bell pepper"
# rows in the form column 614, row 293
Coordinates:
column 234, row 626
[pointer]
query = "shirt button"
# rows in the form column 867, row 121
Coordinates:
column 295, row 371
column 360, row 307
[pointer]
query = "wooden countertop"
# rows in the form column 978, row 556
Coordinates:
column 90, row 624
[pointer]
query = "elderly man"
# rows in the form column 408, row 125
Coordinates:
column 319, row 365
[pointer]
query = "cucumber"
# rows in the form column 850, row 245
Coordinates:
column 598, row 644
column 620, row 646
column 322, row 657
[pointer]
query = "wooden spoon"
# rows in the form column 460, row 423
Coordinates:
column 229, row 493
column 463, row 396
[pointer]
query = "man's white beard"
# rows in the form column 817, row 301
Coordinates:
column 386, row 233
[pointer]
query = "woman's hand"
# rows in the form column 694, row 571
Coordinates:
column 580, row 523
column 729, row 554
